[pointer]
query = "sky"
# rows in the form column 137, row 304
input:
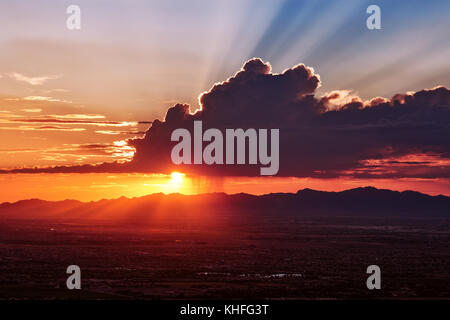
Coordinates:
column 70, row 97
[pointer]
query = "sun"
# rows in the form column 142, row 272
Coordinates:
column 177, row 178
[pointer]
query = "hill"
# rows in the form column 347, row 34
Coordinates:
column 367, row 201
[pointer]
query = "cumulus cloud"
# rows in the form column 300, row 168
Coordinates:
column 337, row 134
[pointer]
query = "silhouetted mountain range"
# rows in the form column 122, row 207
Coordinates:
column 367, row 201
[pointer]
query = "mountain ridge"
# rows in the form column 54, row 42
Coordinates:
column 357, row 201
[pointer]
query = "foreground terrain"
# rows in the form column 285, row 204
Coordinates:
column 220, row 252
column 294, row 258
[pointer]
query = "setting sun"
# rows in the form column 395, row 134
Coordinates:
column 177, row 178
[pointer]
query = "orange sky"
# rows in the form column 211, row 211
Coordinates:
column 97, row 186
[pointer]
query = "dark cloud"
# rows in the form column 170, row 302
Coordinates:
column 319, row 136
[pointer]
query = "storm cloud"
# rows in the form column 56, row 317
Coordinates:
column 329, row 136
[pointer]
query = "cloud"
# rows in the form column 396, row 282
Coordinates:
column 31, row 110
column 334, row 135
column 77, row 116
column 42, row 128
column 77, row 121
column 38, row 98
column 113, row 132
column 34, row 81
column 55, row 90
column 118, row 149
column 42, row 98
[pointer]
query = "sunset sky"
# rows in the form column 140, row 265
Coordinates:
column 72, row 97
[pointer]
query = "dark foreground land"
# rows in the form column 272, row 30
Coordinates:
column 309, row 245
column 270, row 257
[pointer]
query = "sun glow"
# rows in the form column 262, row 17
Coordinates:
column 177, row 178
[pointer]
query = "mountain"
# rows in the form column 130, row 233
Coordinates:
column 367, row 201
